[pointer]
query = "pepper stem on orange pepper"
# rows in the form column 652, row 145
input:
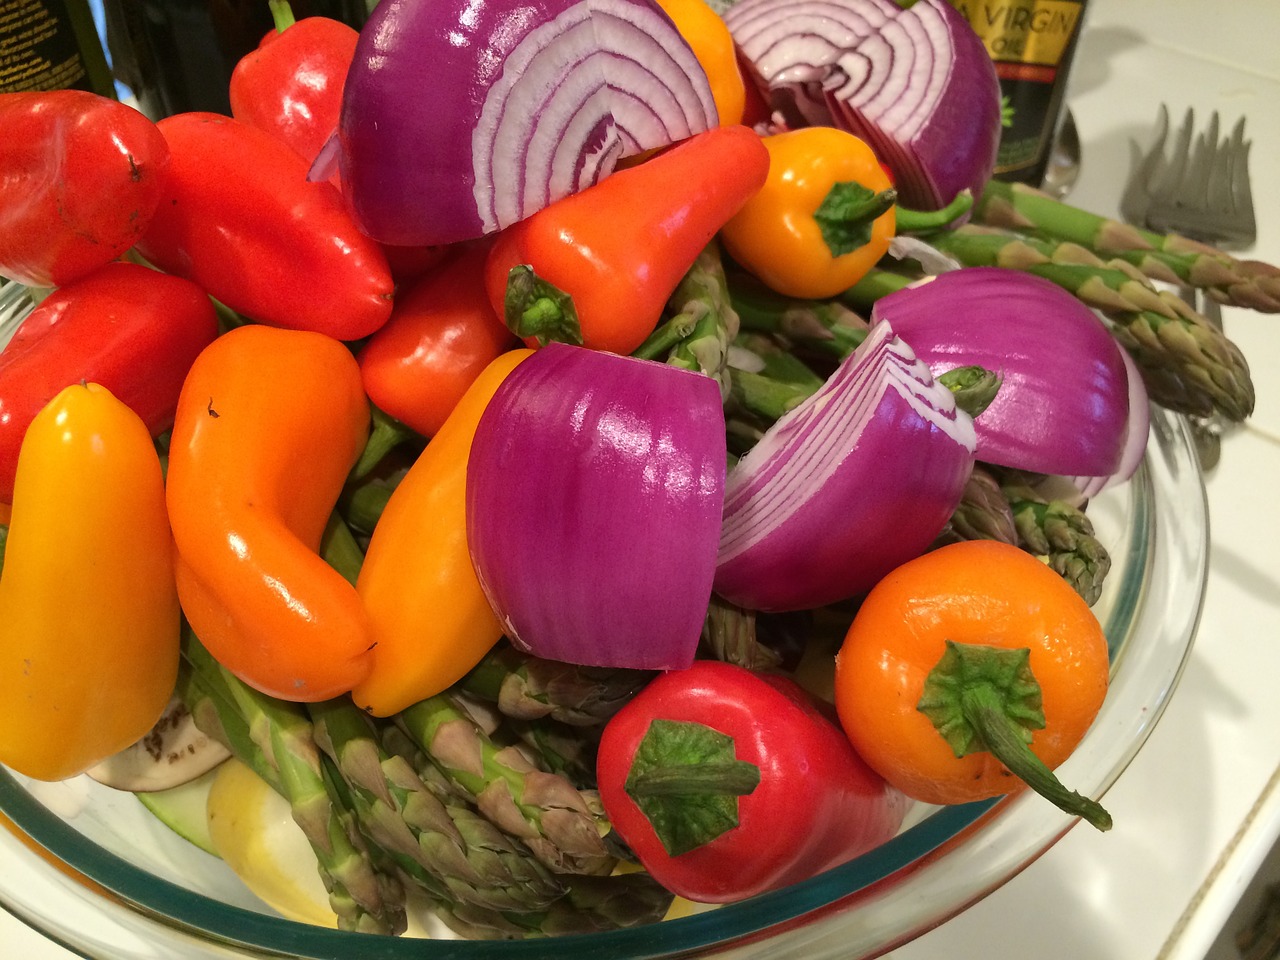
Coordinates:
column 984, row 698
column 537, row 308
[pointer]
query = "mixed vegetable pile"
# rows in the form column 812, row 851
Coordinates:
column 637, row 469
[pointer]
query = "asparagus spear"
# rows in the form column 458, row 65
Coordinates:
column 1062, row 535
column 435, row 846
column 983, row 512
column 275, row 738
column 554, row 819
column 527, row 687
column 1170, row 257
column 729, row 633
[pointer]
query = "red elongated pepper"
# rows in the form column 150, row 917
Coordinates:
column 291, row 85
column 80, row 178
column 441, row 335
column 597, row 267
column 133, row 330
column 240, row 218
column 727, row 783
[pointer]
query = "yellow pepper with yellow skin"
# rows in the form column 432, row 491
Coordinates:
column 778, row 235
column 709, row 39
column 88, row 602
column 431, row 622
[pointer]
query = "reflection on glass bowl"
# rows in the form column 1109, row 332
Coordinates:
column 91, row 868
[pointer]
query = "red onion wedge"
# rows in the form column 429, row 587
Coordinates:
column 857, row 479
column 1063, row 405
column 594, row 495
column 1136, row 434
column 461, row 117
column 917, row 84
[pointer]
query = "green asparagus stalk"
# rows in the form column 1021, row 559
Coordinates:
column 729, row 634
column 983, row 512
column 826, row 328
column 1063, row 536
column 276, row 739
column 556, row 821
column 527, row 687
column 1168, row 257
column 702, row 296
column 410, row 823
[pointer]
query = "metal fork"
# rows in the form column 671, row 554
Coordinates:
column 1200, row 189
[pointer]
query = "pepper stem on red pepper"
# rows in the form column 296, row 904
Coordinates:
column 687, row 780
column 282, row 13
column 535, row 308
column 985, row 698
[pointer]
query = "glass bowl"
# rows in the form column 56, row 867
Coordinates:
column 89, row 867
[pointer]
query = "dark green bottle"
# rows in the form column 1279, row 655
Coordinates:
column 1032, row 43
column 51, row 45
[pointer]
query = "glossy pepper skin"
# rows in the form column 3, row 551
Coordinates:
column 89, row 652
column 291, row 85
column 269, row 423
column 988, row 597
column 619, row 248
column 239, row 217
column 134, row 330
column 430, row 620
column 441, row 335
column 816, row 803
column 778, row 235
column 709, row 38
column 80, row 178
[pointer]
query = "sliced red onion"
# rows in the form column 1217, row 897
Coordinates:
column 594, row 494
column 917, row 84
column 462, row 117
column 857, row 479
column 1137, row 432
column 1063, row 404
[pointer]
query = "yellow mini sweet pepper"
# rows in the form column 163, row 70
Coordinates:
column 709, row 39
column 89, row 648
column 431, row 621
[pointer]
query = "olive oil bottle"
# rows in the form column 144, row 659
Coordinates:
column 51, row 45
column 1032, row 43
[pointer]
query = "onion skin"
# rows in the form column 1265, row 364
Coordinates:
column 857, row 479
column 933, row 120
column 543, row 100
column 1063, row 405
column 594, row 494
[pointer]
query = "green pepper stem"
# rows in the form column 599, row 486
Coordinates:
column 736, row 778
column 534, row 307
column 282, row 13
column 926, row 221
column 983, row 707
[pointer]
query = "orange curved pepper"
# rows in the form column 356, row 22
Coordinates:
column 89, row 652
column 269, row 423
column 709, row 39
column 975, row 593
column 431, row 621
column 778, row 238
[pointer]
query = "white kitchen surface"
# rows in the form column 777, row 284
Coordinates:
column 1193, row 817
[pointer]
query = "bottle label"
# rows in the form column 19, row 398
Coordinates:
column 38, row 49
column 1035, row 32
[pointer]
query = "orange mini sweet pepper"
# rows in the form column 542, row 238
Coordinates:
column 269, row 423
column 89, row 652
column 431, row 621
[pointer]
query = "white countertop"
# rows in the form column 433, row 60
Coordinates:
column 1143, row 891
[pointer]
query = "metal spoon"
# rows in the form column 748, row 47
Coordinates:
column 1064, row 160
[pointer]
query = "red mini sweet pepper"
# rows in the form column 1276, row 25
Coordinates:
column 291, row 85
column 239, row 217
column 131, row 329
column 597, row 267
column 80, row 177
column 727, row 783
